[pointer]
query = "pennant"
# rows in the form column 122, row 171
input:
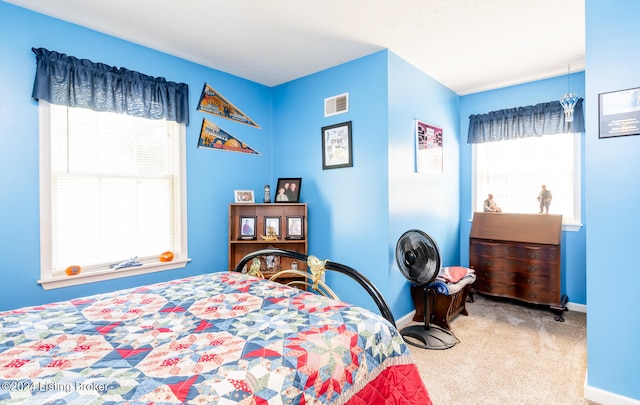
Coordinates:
column 213, row 103
column 214, row 137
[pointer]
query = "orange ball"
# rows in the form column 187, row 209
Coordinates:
column 166, row 256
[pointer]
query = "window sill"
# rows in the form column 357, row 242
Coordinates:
column 571, row 227
column 94, row 276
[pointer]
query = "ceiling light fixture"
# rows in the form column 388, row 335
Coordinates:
column 569, row 100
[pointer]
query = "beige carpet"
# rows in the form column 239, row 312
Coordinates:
column 508, row 354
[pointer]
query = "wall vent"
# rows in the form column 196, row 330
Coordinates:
column 336, row 105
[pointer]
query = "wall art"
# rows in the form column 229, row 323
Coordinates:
column 212, row 102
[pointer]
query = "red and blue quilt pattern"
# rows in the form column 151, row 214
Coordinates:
column 224, row 338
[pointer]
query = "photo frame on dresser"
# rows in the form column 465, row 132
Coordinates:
column 244, row 196
column 247, row 227
column 288, row 190
column 295, row 227
column 272, row 224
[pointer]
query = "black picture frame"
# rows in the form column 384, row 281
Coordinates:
column 274, row 221
column 295, row 227
column 247, row 227
column 337, row 146
column 288, row 190
column 619, row 113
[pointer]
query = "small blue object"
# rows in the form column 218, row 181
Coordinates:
column 133, row 262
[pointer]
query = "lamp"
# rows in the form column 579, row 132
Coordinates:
column 568, row 100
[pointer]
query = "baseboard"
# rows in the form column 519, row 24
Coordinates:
column 408, row 318
column 605, row 397
column 405, row 320
column 576, row 307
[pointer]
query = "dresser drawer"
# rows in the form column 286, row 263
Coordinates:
column 539, row 294
column 538, row 253
column 542, row 253
column 535, row 292
column 534, row 269
column 490, row 274
column 505, row 265
column 495, row 287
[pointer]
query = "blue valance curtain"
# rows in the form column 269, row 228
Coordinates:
column 523, row 122
column 66, row 80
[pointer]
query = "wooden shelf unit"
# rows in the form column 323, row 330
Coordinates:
column 238, row 248
column 518, row 256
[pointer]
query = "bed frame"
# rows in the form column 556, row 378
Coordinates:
column 313, row 278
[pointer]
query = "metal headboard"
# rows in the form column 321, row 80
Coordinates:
column 313, row 277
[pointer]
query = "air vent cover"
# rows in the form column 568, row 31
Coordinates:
column 336, row 105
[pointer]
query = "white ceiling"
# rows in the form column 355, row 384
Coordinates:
column 467, row 45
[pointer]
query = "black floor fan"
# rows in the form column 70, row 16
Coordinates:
column 418, row 258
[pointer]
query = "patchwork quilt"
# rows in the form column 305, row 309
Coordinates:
column 220, row 338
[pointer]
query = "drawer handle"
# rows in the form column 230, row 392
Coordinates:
column 529, row 281
column 533, row 269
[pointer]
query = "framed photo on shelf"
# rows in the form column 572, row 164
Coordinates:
column 295, row 227
column 247, row 228
column 619, row 113
column 336, row 146
column 288, row 190
column 244, row 196
column 272, row 226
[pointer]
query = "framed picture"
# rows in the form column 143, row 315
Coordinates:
column 295, row 227
column 288, row 190
column 429, row 149
column 247, row 228
column 272, row 226
column 336, row 146
column 619, row 113
column 244, row 196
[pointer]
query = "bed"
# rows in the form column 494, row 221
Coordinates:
column 225, row 338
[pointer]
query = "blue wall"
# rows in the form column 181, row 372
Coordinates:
column 212, row 175
column 612, row 166
column 424, row 201
column 347, row 208
column 573, row 242
column 356, row 214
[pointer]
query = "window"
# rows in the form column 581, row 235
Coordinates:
column 514, row 171
column 112, row 188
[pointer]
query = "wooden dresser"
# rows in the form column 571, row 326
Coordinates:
column 518, row 256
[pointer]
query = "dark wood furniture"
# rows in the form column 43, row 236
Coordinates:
column 518, row 256
column 443, row 308
column 239, row 248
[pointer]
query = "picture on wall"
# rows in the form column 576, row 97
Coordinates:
column 619, row 113
column 429, row 149
column 214, row 137
column 337, row 149
column 212, row 102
